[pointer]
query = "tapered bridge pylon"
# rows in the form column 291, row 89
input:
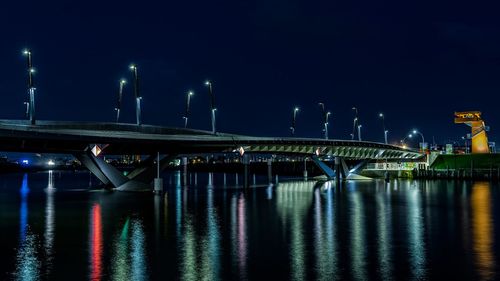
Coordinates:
column 478, row 135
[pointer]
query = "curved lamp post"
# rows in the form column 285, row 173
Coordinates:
column 188, row 110
column 119, row 99
column 326, row 116
column 213, row 109
column 30, row 104
column 137, row 95
column 294, row 119
column 416, row 132
column 381, row 115
column 355, row 123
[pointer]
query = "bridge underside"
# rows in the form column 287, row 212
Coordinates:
column 126, row 139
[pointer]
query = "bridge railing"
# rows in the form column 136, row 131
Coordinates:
column 403, row 166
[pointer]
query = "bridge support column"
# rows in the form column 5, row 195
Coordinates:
column 184, row 170
column 305, row 168
column 245, row 180
column 337, row 169
column 341, row 169
column 329, row 173
column 139, row 179
column 158, row 181
column 270, row 170
column 245, row 170
column 352, row 173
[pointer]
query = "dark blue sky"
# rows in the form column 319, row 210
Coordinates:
column 416, row 61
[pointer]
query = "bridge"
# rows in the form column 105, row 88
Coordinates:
column 78, row 138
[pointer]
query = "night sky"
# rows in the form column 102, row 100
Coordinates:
column 416, row 61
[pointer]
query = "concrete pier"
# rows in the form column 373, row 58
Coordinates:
column 270, row 171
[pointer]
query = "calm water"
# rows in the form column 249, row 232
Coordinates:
column 52, row 227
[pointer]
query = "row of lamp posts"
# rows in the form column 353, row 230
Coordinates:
column 356, row 127
column 30, row 105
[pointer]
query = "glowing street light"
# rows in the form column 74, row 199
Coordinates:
column 188, row 104
column 138, row 97
column 381, row 115
column 30, row 104
column 213, row 109
column 355, row 123
column 294, row 119
column 359, row 132
column 403, row 141
column 415, row 132
column 326, row 115
column 464, row 138
column 119, row 100
column 327, row 123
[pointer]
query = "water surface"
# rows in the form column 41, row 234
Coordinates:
column 53, row 228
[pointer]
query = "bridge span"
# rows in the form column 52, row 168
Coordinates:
column 118, row 139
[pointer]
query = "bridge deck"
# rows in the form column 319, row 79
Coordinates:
column 72, row 137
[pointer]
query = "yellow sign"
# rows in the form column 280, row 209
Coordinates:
column 479, row 143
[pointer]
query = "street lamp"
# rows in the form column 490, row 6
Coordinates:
column 403, row 144
column 326, row 115
column 294, row 118
column 327, row 123
column 466, row 144
column 138, row 97
column 188, row 104
column 415, row 132
column 213, row 109
column 381, row 115
column 119, row 100
column 355, row 123
column 30, row 104
column 359, row 132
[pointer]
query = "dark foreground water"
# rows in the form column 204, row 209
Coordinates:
column 52, row 228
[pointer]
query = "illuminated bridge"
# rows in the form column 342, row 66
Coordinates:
column 119, row 139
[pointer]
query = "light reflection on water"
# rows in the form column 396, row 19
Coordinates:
column 96, row 243
column 384, row 230
column 293, row 200
column 324, row 233
column 317, row 230
column 416, row 233
column 27, row 262
column 23, row 210
column 482, row 230
column 121, row 259
column 138, row 263
column 210, row 245
column 50, row 223
column 358, row 238
column 239, row 234
column 201, row 250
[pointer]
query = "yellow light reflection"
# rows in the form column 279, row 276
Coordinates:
column 482, row 230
